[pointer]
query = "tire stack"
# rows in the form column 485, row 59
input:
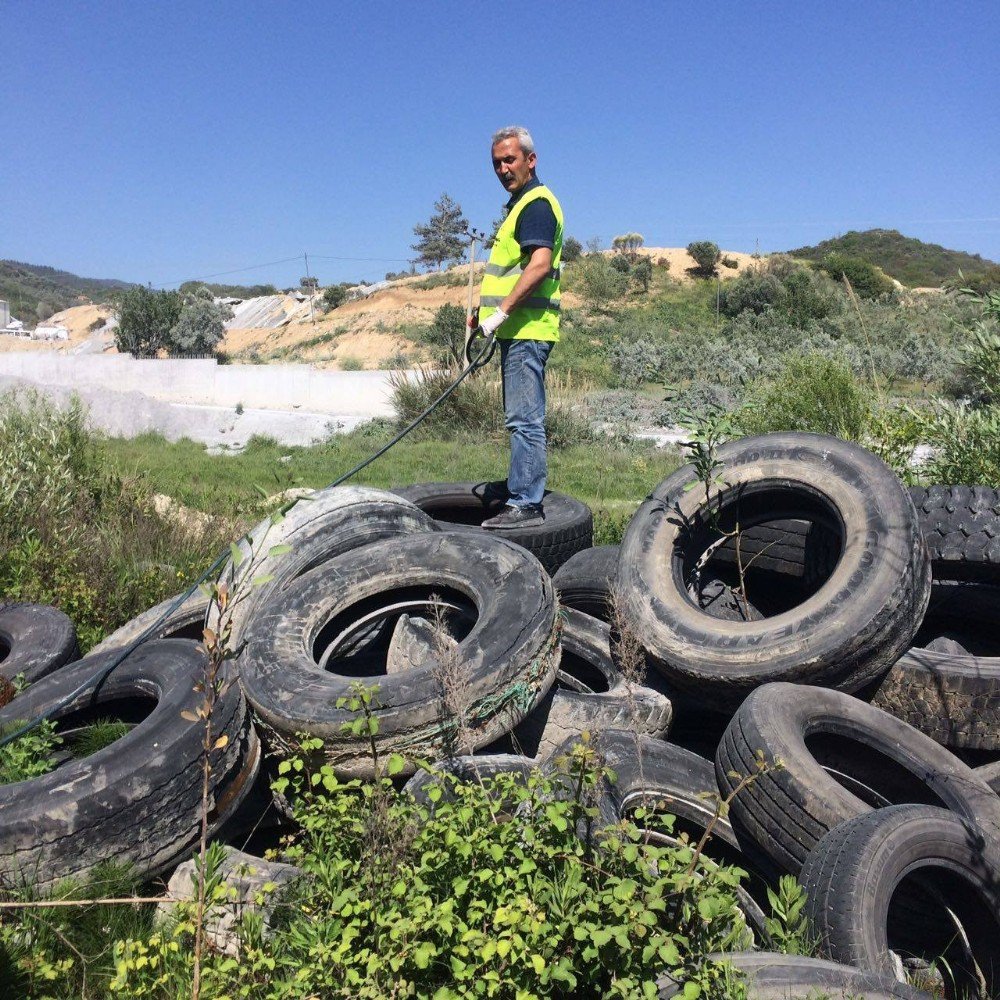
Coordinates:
column 806, row 642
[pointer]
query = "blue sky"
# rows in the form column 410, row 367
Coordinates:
column 159, row 141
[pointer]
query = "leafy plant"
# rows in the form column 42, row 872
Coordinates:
column 30, row 755
column 788, row 926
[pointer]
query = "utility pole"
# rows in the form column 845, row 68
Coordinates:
column 474, row 235
column 312, row 317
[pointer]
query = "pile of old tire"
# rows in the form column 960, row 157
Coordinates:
column 792, row 619
column 779, row 661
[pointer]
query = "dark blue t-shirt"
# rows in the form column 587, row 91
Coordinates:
column 536, row 225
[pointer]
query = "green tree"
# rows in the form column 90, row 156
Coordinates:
column 446, row 334
column 706, row 256
column 309, row 281
column 145, row 318
column 572, row 250
column 334, row 295
column 440, row 239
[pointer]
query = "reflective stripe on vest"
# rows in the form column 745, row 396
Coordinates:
column 538, row 317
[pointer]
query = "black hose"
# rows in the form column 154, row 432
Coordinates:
column 98, row 678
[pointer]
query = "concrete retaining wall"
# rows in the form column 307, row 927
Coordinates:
column 268, row 387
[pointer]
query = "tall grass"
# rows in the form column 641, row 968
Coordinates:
column 77, row 534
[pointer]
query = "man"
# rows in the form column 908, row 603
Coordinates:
column 519, row 302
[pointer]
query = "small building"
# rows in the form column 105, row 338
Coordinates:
column 4, row 314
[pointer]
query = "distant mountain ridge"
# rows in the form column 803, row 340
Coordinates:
column 904, row 258
column 35, row 291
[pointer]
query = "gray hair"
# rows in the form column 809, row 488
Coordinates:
column 518, row 132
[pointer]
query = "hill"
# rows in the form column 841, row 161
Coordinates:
column 35, row 291
column 909, row 260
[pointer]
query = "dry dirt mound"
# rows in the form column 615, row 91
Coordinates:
column 377, row 330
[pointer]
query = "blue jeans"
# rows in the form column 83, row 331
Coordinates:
column 522, row 363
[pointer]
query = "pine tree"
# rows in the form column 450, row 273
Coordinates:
column 440, row 240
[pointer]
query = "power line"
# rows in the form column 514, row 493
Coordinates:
column 382, row 260
column 220, row 274
column 274, row 263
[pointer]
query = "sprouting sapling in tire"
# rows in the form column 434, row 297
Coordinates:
column 504, row 662
column 846, row 634
column 137, row 801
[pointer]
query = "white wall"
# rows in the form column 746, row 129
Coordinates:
column 278, row 387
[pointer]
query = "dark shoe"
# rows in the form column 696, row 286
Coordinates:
column 515, row 517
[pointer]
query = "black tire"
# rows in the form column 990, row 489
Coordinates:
column 848, row 633
column 508, row 659
column 952, row 697
column 796, row 549
column 770, row 976
column 816, row 734
column 187, row 621
column 990, row 774
column 664, row 778
column 318, row 527
column 568, row 527
column 465, row 769
column 584, row 581
column 137, row 801
column 964, row 611
column 35, row 639
column 853, row 873
column 961, row 525
column 589, row 694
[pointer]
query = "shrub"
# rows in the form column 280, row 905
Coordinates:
column 446, row 334
column 475, row 409
column 78, row 536
column 981, row 282
column 705, row 255
column 598, row 282
column 731, row 262
column 753, row 290
column 335, row 295
column 810, row 393
column 965, row 444
column 351, row 364
column 642, row 272
column 867, row 280
column 621, row 264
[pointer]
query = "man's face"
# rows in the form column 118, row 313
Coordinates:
column 512, row 167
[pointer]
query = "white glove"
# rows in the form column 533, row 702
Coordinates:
column 492, row 322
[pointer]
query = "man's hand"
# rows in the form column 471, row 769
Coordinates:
column 492, row 322
column 473, row 321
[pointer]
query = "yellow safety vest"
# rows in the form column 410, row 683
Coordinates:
column 538, row 317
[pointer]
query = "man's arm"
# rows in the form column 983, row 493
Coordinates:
column 537, row 269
